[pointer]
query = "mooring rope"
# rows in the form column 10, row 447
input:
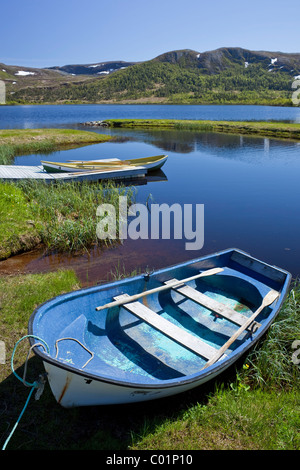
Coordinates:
column 38, row 384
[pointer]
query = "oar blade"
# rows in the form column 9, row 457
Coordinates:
column 271, row 296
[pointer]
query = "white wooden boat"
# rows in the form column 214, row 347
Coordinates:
column 157, row 335
column 148, row 163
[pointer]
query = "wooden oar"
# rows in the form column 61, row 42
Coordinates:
column 95, row 162
column 268, row 300
column 131, row 298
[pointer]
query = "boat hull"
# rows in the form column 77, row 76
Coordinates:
column 113, row 356
column 149, row 164
column 75, row 390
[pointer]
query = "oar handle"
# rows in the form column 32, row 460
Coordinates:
column 131, row 298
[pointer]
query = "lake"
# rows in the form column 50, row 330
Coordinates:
column 249, row 186
column 68, row 115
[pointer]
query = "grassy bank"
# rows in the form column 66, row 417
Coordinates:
column 15, row 142
column 255, row 406
column 60, row 217
column 266, row 129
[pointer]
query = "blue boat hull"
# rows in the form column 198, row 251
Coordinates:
column 113, row 356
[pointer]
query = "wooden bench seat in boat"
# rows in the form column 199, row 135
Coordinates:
column 181, row 336
column 211, row 304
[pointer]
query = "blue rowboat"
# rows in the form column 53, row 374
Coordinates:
column 158, row 334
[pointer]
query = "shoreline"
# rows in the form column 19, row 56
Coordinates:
column 25, row 207
column 15, row 142
column 280, row 130
column 57, row 137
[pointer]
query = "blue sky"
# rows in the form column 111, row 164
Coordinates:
column 40, row 33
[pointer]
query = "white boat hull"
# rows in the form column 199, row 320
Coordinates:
column 102, row 165
column 72, row 390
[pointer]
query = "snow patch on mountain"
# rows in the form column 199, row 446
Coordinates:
column 23, row 73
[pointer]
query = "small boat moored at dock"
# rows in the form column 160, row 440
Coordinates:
column 148, row 163
column 159, row 334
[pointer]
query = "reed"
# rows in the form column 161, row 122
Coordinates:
column 15, row 142
column 60, row 217
column 67, row 211
column 9, row 151
column 270, row 363
column 18, row 231
column 6, row 154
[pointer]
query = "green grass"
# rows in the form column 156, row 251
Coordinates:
column 20, row 295
column 271, row 364
column 256, row 420
column 267, row 129
column 60, row 217
column 15, row 142
column 18, row 231
column 250, row 407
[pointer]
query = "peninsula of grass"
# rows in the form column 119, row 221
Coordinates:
column 14, row 142
column 60, row 218
column 255, row 406
column 280, row 130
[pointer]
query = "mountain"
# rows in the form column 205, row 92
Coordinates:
column 216, row 61
column 102, row 68
column 226, row 75
column 18, row 78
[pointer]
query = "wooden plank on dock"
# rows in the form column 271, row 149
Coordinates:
column 213, row 305
column 179, row 335
column 21, row 172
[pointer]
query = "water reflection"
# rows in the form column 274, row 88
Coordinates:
column 248, row 185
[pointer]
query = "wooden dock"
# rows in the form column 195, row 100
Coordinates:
column 18, row 172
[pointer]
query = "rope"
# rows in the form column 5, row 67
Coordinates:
column 42, row 343
column 77, row 341
column 21, row 414
column 39, row 384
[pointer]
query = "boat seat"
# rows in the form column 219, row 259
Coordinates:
column 179, row 335
column 211, row 304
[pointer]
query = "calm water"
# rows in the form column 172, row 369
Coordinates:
column 68, row 115
column 249, row 187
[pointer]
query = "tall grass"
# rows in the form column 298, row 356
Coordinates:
column 6, row 154
column 67, row 211
column 270, row 363
column 24, row 141
column 17, row 229
column 9, row 151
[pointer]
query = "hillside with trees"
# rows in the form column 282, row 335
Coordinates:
column 224, row 76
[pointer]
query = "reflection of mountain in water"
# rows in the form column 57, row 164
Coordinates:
column 229, row 146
